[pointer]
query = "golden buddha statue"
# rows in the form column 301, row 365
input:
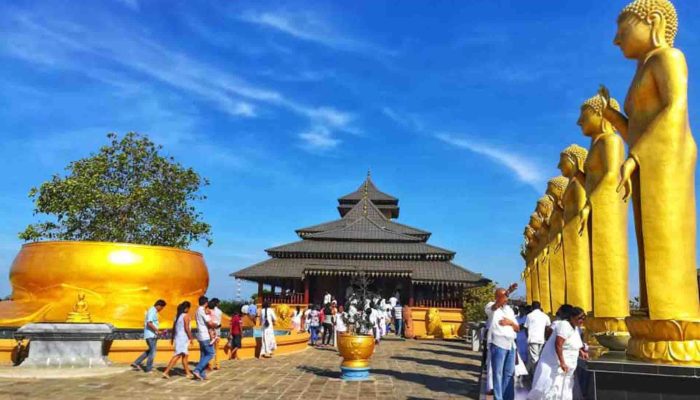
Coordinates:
column 557, row 276
column 544, row 210
column 534, row 244
column 605, row 218
column 659, row 175
column 80, row 312
column 576, row 249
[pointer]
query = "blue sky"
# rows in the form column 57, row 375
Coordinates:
column 459, row 108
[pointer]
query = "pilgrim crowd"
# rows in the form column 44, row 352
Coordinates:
column 525, row 348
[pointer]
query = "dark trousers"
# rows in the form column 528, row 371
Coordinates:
column 327, row 333
column 150, row 353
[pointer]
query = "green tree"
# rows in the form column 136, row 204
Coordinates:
column 127, row 192
column 475, row 300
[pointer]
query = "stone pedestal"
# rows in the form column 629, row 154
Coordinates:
column 66, row 345
column 613, row 376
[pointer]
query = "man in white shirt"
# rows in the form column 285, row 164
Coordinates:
column 206, row 349
column 503, row 328
column 536, row 323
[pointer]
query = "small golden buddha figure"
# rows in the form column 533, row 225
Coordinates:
column 557, row 276
column 533, row 246
column 659, row 176
column 80, row 312
column 577, row 260
column 605, row 214
column 544, row 210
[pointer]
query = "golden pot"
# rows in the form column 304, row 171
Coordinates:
column 356, row 350
column 120, row 282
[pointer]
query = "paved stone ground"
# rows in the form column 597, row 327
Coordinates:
column 400, row 370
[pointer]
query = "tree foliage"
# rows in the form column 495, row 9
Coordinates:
column 127, row 192
column 475, row 300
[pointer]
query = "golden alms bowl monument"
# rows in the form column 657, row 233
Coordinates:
column 118, row 280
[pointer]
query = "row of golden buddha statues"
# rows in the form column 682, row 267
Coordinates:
column 576, row 245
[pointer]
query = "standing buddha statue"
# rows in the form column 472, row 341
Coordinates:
column 557, row 277
column 544, row 210
column 659, row 175
column 576, row 248
column 533, row 245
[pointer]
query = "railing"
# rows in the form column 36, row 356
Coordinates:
column 439, row 303
column 293, row 298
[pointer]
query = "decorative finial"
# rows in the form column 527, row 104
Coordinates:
column 365, row 196
column 369, row 173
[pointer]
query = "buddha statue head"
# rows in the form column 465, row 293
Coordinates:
column 556, row 187
column 591, row 118
column 535, row 221
column 545, row 205
column 529, row 234
column 572, row 160
column 644, row 25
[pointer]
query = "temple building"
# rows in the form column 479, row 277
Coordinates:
column 367, row 241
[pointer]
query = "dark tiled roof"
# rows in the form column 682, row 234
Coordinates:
column 358, row 247
column 363, row 229
column 373, row 193
column 421, row 271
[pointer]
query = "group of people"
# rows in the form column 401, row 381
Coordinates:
column 325, row 322
column 550, row 349
column 207, row 333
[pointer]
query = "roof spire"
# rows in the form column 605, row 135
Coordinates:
column 369, row 173
column 365, row 196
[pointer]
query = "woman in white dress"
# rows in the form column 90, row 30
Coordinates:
column 554, row 376
column 340, row 326
column 267, row 321
column 296, row 320
column 181, row 339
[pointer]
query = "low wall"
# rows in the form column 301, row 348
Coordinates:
column 451, row 316
column 126, row 351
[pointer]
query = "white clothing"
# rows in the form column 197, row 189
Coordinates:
column 269, row 344
column 502, row 336
column 340, row 326
column 217, row 320
column 181, row 341
column 326, row 299
column 244, row 309
column 296, row 320
column 393, row 301
column 550, row 382
column 536, row 322
column 201, row 318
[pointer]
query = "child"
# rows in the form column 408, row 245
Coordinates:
column 234, row 341
column 211, row 315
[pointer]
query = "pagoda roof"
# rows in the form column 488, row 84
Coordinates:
column 419, row 271
column 374, row 194
column 363, row 229
column 359, row 248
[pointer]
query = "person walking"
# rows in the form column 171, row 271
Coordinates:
column 501, row 339
column 206, row 350
column 235, row 336
column 150, row 334
column 398, row 319
column 314, row 323
column 181, row 340
column 216, row 315
column 327, row 325
column 554, row 376
column 296, row 320
column 536, row 323
column 340, row 326
column 267, row 320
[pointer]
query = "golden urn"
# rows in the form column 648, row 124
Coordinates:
column 120, row 281
column 356, row 350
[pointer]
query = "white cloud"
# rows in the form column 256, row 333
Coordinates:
column 318, row 138
column 55, row 45
column 525, row 170
column 407, row 121
column 132, row 4
column 312, row 28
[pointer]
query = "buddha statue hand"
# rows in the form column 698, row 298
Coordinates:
column 557, row 245
column 605, row 95
column 626, row 171
column 583, row 218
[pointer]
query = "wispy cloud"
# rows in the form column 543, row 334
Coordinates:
column 311, row 27
column 55, row 46
column 318, row 138
column 525, row 169
column 405, row 120
column 132, row 4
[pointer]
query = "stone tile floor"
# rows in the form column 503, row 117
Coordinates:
column 400, row 370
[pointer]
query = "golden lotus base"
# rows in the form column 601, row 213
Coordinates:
column 674, row 342
column 355, row 363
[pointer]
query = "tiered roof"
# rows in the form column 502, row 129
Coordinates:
column 364, row 239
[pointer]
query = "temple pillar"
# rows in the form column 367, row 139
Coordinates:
column 260, row 292
column 410, row 294
column 306, row 291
